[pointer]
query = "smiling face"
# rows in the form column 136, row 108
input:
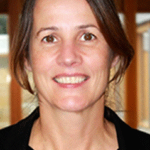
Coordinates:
column 69, row 56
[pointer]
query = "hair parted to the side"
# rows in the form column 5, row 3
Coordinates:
column 108, row 20
column 20, row 45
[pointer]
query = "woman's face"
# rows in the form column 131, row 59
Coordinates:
column 69, row 56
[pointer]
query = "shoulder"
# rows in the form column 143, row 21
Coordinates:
column 128, row 138
column 7, row 135
column 11, row 134
column 136, row 138
column 141, row 136
column 16, row 136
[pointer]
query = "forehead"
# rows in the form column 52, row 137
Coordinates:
column 58, row 5
column 69, row 11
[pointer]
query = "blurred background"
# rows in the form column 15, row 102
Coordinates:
column 130, row 99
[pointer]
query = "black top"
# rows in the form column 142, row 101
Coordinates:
column 16, row 137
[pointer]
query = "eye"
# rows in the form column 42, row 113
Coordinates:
column 88, row 37
column 49, row 39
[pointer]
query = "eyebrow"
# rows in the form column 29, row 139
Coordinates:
column 54, row 28
column 87, row 26
column 47, row 28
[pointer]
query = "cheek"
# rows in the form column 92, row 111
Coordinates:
column 38, row 58
column 41, row 69
column 40, row 62
column 100, row 71
column 100, row 62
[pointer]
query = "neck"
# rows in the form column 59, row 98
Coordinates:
column 72, row 130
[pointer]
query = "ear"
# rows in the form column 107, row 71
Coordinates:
column 27, row 65
column 115, row 61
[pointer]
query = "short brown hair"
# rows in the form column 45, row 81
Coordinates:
column 108, row 20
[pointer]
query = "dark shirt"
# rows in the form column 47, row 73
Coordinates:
column 16, row 137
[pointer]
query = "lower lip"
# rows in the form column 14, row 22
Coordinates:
column 76, row 85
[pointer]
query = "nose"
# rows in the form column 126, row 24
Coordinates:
column 68, row 55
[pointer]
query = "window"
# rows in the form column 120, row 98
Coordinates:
column 4, row 73
column 143, row 47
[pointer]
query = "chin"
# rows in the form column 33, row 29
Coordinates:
column 73, row 104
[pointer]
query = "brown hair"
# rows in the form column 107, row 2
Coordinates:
column 108, row 20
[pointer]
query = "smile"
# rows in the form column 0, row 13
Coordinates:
column 70, row 80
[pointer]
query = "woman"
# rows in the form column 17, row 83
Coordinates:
column 70, row 47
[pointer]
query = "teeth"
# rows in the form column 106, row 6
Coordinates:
column 70, row 80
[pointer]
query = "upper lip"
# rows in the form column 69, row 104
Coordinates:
column 70, row 79
column 61, row 78
column 70, row 75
